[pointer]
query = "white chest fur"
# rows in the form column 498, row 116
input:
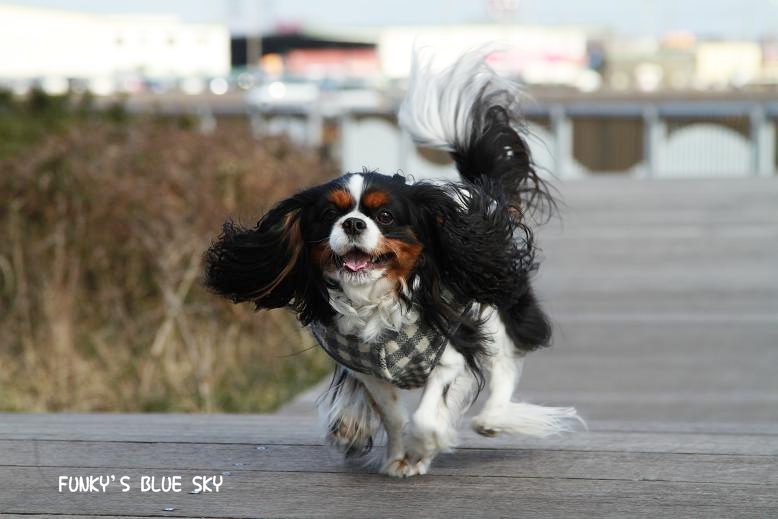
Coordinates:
column 367, row 310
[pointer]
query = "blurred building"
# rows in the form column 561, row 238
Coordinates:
column 682, row 62
column 648, row 65
column 60, row 49
column 47, row 44
column 723, row 64
column 534, row 55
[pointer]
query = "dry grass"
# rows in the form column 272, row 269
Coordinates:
column 101, row 304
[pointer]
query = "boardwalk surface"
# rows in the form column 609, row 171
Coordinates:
column 665, row 297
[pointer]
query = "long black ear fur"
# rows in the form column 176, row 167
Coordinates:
column 488, row 254
column 266, row 265
column 480, row 252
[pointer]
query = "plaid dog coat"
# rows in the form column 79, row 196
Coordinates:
column 404, row 358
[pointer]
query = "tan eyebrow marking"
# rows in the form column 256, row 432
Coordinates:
column 375, row 199
column 342, row 199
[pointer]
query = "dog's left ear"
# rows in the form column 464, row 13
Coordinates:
column 268, row 264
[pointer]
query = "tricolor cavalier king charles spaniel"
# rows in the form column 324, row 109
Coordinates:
column 413, row 285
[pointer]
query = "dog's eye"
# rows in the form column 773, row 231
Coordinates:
column 329, row 214
column 384, row 217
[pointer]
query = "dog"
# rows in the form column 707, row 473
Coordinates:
column 414, row 285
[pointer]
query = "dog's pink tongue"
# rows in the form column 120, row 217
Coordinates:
column 356, row 261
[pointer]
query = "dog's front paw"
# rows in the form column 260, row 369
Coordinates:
column 403, row 467
column 425, row 439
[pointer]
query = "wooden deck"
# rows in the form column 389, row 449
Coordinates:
column 665, row 296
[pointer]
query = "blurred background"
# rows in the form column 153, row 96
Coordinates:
column 128, row 131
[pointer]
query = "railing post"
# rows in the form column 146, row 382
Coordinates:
column 654, row 131
column 205, row 119
column 256, row 122
column 314, row 126
column 762, row 142
column 406, row 148
column 562, row 128
column 339, row 152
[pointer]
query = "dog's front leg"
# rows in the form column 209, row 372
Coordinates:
column 448, row 394
column 394, row 417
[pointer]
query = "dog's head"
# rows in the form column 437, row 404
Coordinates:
column 373, row 231
column 368, row 229
column 361, row 229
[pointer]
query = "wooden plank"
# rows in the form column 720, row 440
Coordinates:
column 173, row 427
column 251, row 494
column 661, row 252
column 659, row 371
column 723, row 198
column 651, row 336
column 692, row 443
column 303, row 430
column 683, row 408
column 79, row 516
column 687, row 427
column 530, row 463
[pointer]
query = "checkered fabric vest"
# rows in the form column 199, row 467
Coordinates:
column 404, row 358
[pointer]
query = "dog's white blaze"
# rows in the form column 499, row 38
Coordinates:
column 356, row 183
column 369, row 239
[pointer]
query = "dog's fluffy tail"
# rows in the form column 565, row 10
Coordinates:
column 471, row 112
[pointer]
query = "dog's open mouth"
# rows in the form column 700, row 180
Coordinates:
column 357, row 261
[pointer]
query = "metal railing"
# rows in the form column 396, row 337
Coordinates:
column 657, row 139
column 568, row 137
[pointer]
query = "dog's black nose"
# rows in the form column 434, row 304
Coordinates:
column 354, row 226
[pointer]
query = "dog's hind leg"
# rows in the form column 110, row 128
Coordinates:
column 349, row 415
column 500, row 413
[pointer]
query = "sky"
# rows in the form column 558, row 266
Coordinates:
column 747, row 19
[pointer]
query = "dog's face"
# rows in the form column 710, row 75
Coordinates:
column 366, row 224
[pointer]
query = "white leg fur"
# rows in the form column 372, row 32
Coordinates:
column 447, row 396
column 500, row 414
column 395, row 418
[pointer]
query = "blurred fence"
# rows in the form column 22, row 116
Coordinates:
column 669, row 139
column 637, row 138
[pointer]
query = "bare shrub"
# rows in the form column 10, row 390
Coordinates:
column 101, row 304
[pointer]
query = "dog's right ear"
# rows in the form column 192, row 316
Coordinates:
column 262, row 265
